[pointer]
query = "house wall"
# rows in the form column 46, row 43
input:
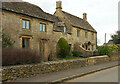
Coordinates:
column 12, row 26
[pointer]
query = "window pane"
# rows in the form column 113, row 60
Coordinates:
column 44, row 28
column 40, row 27
column 23, row 24
column 27, row 42
column 86, row 34
column 27, row 24
column 64, row 29
column 78, row 33
column 23, row 43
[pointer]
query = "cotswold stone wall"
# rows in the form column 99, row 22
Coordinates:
column 97, row 60
column 12, row 73
column 22, row 71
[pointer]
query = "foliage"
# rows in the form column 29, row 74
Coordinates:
column 116, row 38
column 77, row 53
column 104, row 50
column 62, row 48
column 6, row 41
column 13, row 56
column 113, row 47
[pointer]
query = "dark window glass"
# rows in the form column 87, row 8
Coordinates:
column 85, row 34
column 78, row 33
column 25, row 42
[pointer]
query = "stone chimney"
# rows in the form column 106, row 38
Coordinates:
column 58, row 5
column 85, row 16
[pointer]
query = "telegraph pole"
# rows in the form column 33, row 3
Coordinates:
column 105, row 37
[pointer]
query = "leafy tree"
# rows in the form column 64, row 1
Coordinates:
column 116, row 38
column 63, row 48
column 6, row 41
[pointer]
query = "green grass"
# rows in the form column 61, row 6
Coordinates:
column 70, row 58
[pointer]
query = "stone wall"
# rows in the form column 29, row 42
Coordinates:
column 11, row 73
column 97, row 60
column 23, row 71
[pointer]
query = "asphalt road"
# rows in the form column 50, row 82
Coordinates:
column 108, row 75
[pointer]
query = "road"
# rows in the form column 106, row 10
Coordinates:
column 108, row 75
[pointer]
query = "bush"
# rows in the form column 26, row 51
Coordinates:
column 113, row 47
column 77, row 53
column 63, row 48
column 12, row 56
column 104, row 50
column 6, row 41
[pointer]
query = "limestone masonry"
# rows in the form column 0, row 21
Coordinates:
column 30, row 27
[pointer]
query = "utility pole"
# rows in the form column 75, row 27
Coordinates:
column 105, row 37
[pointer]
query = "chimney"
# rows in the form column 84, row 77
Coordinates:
column 58, row 5
column 85, row 16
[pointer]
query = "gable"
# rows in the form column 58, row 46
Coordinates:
column 78, row 22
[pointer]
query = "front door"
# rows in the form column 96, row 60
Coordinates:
column 42, row 48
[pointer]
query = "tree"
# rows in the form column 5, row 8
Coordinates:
column 6, row 41
column 63, row 48
column 116, row 38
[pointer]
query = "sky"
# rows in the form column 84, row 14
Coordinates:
column 101, row 14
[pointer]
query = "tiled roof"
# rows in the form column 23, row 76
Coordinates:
column 78, row 22
column 27, row 9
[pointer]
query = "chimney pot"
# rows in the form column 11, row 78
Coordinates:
column 59, row 5
column 85, row 16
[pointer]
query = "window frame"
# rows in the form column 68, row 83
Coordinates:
column 43, row 25
column 86, row 34
column 78, row 34
column 25, row 25
column 92, row 36
column 27, row 37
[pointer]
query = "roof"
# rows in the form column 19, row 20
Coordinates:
column 78, row 22
column 27, row 9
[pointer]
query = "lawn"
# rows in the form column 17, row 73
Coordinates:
column 70, row 58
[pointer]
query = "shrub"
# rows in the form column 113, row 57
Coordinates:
column 6, row 41
column 113, row 47
column 103, row 50
column 12, row 56
column 63, row 48
column 76, row 53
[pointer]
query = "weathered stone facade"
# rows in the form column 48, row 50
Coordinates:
column 14, row 13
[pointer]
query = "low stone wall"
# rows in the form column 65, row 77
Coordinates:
column 11, row 73
column 22, row 71
column 97, row 60
column 114, row 56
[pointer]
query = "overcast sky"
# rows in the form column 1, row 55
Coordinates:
column 101, row 14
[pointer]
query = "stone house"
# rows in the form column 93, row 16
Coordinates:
column 30, row 27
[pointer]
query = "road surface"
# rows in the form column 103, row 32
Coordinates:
column 108, row 75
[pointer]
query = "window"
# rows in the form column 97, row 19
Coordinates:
column 64, row 29
column 92, row 36
column 86, row 35
column 78, row 33
column 25, row 42
column 42, row 27
column 25, row 24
